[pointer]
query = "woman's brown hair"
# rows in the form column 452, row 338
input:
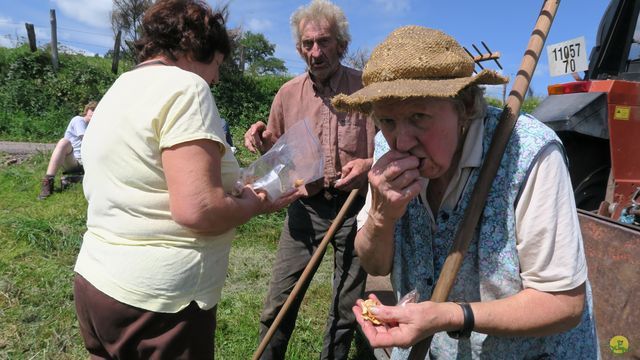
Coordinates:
column 182, row 27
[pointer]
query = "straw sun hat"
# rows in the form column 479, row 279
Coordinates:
column 414, row 61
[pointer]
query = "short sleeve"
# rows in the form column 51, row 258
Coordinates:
column 191, row 114
column 549, row 240
column 79, row 126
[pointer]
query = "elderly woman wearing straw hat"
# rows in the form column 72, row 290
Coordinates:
column 522, row 290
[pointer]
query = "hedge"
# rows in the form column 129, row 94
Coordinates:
column 36, row 103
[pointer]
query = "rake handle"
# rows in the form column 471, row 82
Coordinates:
column 307, row 274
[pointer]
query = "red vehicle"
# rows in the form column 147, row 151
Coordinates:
column 598, row 120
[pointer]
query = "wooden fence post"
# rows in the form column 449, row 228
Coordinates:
column 116, row 53
column 31, row 35
column 54, row 40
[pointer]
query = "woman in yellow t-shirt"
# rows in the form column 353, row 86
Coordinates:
column 158, row 178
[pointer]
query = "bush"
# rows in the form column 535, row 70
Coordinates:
column 245, row 99
column 36, row 103
column 530, row 103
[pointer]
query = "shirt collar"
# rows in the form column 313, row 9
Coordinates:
column 472, row 148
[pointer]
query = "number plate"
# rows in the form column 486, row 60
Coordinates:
column 567, row 57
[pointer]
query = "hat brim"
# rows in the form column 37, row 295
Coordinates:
column 362, row 100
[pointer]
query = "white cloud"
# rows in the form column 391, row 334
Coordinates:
column 393, row 5
column 10, row 31
column 4, row 21
column 7, row 42
column 100, row 43
column 259, row 25
column 9, row 25
column 94, row 13
column 84, row 26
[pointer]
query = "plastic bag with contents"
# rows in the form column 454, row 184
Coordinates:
column 294, row 160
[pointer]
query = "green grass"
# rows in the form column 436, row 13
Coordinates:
column 40, row 240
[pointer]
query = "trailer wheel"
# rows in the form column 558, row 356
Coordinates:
column 591, row 191
column 589, row 166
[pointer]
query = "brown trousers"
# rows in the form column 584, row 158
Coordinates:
column 113, row 330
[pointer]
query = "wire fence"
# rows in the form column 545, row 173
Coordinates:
column 68, row 39
column 87, row 48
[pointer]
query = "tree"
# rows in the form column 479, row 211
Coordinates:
column 256, row 52
column 231, row 65
column 127, row 16
column 357, row 59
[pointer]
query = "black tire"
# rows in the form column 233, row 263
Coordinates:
column 592, row 190
column 589, row 167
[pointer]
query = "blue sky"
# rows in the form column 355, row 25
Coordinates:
column 504, row 25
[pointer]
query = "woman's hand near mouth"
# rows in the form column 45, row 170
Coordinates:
column 395, row 180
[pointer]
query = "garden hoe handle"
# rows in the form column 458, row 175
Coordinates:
column 307, row 274
column 489, row 168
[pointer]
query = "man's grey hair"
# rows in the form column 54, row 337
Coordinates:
column 318, row 10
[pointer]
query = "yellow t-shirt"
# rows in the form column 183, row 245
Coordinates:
column 133, row 251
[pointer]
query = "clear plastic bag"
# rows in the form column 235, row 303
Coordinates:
column 294, row 160
column 410, row 297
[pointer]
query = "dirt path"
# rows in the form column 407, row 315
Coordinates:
column 11, row 147
column 12, row 153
